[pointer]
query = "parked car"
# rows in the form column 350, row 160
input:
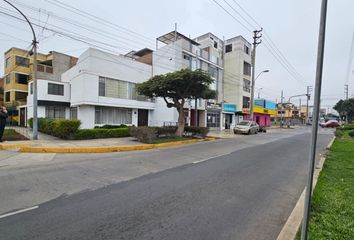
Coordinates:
column 248, row 127
column 330, row 123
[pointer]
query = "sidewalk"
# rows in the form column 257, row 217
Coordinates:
column 50, row 144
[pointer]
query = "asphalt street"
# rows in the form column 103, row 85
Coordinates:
column 246, row 192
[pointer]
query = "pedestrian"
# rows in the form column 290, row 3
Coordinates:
column 3, row 116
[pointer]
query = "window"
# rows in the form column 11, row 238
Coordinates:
column 49, row 69
column 55, row 89
column 22, row 61
column 213, row 119
column 8, row 62
column 7, row 97
column 187, row 57
column 40, row 68
column 228, row 48
column 73, row 113
column 215, row 44
column 20, row 96
column 245, row 102
column 246, row 49
column 246, row 68
column 111, row 115
column 55, row 112
column 246, row 85
column 22, row 78
column 213, row 71
column 102, row 87
column 8, row 78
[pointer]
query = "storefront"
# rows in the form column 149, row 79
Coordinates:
column 214, row 116
column 228, row 111
column 262, row 111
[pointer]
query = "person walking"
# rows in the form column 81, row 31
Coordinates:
column 3, row 116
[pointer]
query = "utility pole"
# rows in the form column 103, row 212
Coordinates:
column 281, row 108
column 256, row 40
column 309, row 89
column 346, row 90
column 34, row 86
column 315, row 116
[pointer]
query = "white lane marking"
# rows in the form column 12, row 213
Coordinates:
column 17, row 212
column 206, row 159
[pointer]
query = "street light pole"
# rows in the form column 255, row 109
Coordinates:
column 252, row 92
column 34, row 86
column 315, row 116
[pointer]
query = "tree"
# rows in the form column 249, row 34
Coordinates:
column 345, row 108
column 177, row 87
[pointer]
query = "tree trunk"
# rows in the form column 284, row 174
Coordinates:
column 181, row 121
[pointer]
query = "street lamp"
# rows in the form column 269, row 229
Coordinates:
column 252, row 93
column 34, row 51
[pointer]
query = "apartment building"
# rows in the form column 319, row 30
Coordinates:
column 179, row 52
column 237, row 77
column 18, row 73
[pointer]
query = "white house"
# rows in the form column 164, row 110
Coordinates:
column 103, row 89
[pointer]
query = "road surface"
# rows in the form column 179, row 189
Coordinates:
column 246, row 192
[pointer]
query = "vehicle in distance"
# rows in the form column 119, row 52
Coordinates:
column 248, row 127
column 330, row 123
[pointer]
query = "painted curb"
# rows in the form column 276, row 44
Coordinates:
column 293, row 223
column 13, row 146
column 30, row 149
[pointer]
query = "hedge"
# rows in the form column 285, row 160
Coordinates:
column 351, row 134
column 101, row 133
column 62, row 128
column 112, row 126
column 144, row 134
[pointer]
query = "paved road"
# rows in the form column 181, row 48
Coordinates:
column 246, row 194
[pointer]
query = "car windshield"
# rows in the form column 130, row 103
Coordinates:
column 244, row 123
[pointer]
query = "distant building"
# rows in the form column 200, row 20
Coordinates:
column 263, row 110
column 18, row 73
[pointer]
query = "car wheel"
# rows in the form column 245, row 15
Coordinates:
column 256, row 131
column 249, row 132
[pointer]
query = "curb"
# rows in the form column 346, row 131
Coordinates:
column 293, row 223
column 28, row 149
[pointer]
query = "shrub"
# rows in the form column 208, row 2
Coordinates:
column 348, row 127
column 351, row 134
column 338, row 133
column 144, row 134
column 166, row 131
column 112, row 126
column 64, row 129
column 101, row 133
column 196, row 131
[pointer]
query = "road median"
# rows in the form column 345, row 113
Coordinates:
column 26, row 147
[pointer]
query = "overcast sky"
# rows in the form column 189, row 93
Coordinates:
column 291, row 24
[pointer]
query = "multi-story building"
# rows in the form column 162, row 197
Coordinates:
column 18, row 73
column 237, row 77
column 179, row 52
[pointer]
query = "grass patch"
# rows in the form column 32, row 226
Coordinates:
column 170, row 139
column 12, row 135
column 332, row 209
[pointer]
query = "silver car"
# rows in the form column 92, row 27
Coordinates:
column 248, row 127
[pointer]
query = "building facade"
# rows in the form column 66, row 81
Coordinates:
column 237, row 77
column 102, row 89
column 18, row 73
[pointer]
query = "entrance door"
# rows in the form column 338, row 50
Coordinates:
column 22, row 117
column 143, row 117
column 228, row 121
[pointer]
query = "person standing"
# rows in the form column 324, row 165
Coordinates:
column 3, row 116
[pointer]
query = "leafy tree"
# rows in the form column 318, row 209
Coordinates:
column 345, row 108
column 177, row 87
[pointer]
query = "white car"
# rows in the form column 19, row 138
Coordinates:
column 248, row 127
